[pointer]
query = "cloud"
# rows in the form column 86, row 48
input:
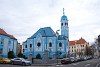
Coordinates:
column 22, row 18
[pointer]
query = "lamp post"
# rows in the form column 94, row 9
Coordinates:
column 49, row 52
column 30, row 55
column 57, row 34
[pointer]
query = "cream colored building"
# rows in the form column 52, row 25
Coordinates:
column 78, row 47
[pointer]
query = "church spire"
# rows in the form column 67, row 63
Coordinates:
column 63, row 12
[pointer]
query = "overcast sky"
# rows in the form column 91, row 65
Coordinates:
column 22, row 18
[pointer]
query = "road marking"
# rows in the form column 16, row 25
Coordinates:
column 59, row 65
column 98, row 65
column 87, row 64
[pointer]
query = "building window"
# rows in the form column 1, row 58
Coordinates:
column 30, row 45
column 39, row 44
column 23, row 50
column 60, row 44
column 9, row 42
column 2, row 40
column 72, row 50
column 61, row 24
column 25, row 46
column 1, row 51
column 72, row 47
column 66, row 24
column 50, row 44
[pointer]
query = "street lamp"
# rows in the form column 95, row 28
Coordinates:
column 49, row 52
column 57, row 34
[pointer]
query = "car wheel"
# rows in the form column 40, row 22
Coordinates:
column 12, row 63
column 23, row 64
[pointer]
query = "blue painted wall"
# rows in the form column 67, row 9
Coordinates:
column 7, row 44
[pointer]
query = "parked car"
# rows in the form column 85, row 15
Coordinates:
column 20, row 61
column 73, row 59
column 66, row 61
column 78, row 59
column 4, row 60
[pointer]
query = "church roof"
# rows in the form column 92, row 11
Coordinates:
column 80, row 41
column 64, row 18
column 2, row 32
column 45, row 32
column 61, row 37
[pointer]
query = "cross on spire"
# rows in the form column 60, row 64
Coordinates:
column 63, row 12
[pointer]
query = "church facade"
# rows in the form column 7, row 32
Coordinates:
column 46, row 39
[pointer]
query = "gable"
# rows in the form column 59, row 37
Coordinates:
column 45, row 32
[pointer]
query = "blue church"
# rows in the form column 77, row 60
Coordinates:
column 46, row 39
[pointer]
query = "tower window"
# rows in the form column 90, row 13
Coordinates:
column 39, row 44
column 30, row 45
column 61, row 24
column 60, row 44
column 66, row 24
column 50, row 44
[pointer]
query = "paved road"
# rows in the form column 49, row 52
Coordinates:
column 88, row 63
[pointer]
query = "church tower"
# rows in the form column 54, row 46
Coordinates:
column 64, row 25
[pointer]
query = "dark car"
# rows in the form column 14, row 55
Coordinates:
column 66, row 61
column 73, row 59
column 20, row 61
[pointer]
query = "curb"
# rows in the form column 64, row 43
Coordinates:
column 42, row 64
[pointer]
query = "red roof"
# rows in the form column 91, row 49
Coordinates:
column 4, row 33
column 80, row 41
column 72, row 42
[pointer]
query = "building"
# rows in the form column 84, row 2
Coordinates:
column 46, row 39
column 78, row 47
column 19, row 49
column 96, row 47
column 7, row 43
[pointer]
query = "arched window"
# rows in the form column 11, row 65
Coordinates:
column 50, row 44
column 66, row 24
column 61, row 24
column 30, row 45
column 23, row 50
column 60, row 44
column 38, row 44
column 38, row 56
column 2, row 41
column 25, row 46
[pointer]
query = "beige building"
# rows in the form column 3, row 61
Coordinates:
column 78, row 47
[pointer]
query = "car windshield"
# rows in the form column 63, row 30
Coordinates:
column 23, row 59
column 72, row 57
column 5, row 58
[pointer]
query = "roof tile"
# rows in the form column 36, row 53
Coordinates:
column 2, row 32
column 80, row 41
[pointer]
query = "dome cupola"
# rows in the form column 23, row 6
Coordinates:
column 64, row 17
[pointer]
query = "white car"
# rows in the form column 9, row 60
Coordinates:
column 20, row 61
